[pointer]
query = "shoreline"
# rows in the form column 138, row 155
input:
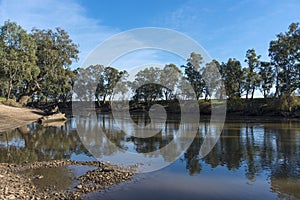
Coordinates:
column 14, row 117
column 16, row 183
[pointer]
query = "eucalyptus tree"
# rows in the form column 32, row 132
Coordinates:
column 213, row 79
column 144, row 86
column 18, row 56
column 169, row 78
column 55, row 53
column 193, row 73
column 233, row 78
column 285, row 56
column 266, row 75
column 107, row 83
column 252, row 79
column 88, row 81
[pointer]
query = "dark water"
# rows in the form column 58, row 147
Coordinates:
column 253, row 159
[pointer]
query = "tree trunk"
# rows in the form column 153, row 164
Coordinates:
column 277, row 84
column 252, row 95
column 26, row 96
column 247, row 93
column 206, row 95
column 9, row 89
column 166, row 96
column 103, row 100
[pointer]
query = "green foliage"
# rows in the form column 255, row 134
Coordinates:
column 17, row 56
column 144, row 85
column 36, row 63
column 252, row 79
column 212, row 79
column 107, row 82
column 285, row 56
column 235, row 104
column 97, row 82
column 2, row 99
column 169, row 78
column 193, row 72
column 88, row 80
column 266, row 75
column 55, row 53
column 289, row 103
column 233, row 78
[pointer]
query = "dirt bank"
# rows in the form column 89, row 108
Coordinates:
column 12, row 117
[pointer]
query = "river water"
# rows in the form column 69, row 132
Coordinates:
column 253, row 159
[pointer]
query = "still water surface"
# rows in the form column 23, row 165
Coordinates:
column 253, row 159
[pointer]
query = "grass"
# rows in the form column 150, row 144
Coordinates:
column 2, row 99
column 10, row 102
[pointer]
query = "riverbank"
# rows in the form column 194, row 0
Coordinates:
column 259, row 107
column 17, row 183
column 14, row 117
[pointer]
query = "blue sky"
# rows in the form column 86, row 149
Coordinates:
column 224, row 28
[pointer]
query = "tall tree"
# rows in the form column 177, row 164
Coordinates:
column 18, row 59
column 193, row 72
column 55, row 53
column 144, row 85
column 285, row 56
column 251, row 77
column 233, row 78
column 169, row 77
column 267, row 75
column 107, row 83
column 212, row 78
column 87, row 82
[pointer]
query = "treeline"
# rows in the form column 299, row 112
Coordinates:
column 36, row 65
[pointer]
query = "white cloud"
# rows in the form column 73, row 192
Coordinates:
column 145, row 45
column 48, row 14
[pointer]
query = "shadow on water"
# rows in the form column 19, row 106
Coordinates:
column 250, row 160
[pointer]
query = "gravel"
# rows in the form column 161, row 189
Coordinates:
column 15, row 184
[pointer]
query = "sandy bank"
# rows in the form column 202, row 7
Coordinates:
column 12, row 117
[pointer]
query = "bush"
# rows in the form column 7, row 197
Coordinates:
column 289, row 103
column 235, row 105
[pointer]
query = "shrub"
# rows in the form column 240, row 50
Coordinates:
column 289, row 103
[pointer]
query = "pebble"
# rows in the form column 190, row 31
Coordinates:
column 79, row 186
column 16, row 185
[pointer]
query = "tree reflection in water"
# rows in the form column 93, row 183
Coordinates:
column 38, row 143
column 271, row 149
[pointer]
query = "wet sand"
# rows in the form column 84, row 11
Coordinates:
column 12, row 117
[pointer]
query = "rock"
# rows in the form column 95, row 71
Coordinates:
column 39, row 176
column 79, row 186
column 11, row 197
column 6, row 191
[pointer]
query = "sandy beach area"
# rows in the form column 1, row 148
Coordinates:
column 13, row 117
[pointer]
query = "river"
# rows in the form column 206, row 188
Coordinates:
column 253, row 159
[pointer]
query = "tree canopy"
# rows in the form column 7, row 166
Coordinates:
column 37, row 65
